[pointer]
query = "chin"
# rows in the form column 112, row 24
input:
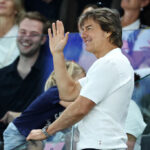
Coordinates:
column 88, row 49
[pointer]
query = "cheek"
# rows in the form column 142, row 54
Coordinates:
column 37, row 42
column 11, row 8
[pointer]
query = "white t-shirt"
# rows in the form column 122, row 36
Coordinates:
column 8, row 47
column 133, row 26
column 135, row 124
column 109, row 83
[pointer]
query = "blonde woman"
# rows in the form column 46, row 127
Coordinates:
column 10, row 12
column 46, row 107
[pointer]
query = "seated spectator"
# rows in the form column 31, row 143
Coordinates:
column 131, row 17
column 46, row 107
column 24, row 79
column 135, row 47
column 10, row 12
column 135, row 126
column 141, row 95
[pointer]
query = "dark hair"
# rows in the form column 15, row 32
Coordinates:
column 37, row 16
column 94, row 6
column 109, row 21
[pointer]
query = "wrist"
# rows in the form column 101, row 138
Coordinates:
column 45, row 128
column 57, row 53
column 44, row 131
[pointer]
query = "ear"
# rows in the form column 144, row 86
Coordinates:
column 108, row 34
column 43, row 40
column 144, row 3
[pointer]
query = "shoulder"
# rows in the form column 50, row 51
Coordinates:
column 6, row 69
column 9, row 69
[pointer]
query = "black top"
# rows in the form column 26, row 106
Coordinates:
column 17, row 93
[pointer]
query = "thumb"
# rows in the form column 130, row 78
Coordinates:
column 28, row 138
column 66, row 37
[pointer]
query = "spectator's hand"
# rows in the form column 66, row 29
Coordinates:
column 10, row 116
column 47, row 1
column 57, row 40
column 36, row 135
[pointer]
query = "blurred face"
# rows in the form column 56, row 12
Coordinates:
column 131, row 4
column 93, row 36
column 30, row 37
column 7, row 8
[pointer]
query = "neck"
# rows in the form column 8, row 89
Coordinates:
column 25, row 64
column 6, row 23
column 129, row 17
column 104, row 50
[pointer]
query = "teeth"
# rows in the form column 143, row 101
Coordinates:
column 25, row 44
column 86, row 42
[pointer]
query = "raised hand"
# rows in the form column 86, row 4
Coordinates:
column 58, row 39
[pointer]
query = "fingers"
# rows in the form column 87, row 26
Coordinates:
column 66, row 37
column 36, row 134
column 54, row 29
column 58, row 28
column 50, row 33
column 29, row 136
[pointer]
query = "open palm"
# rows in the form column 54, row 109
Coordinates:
column 57, row 40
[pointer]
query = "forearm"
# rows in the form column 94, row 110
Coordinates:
column 72, row 114
column 68, row 118
column 66, row 85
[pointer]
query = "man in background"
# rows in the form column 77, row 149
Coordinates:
column 23, row 80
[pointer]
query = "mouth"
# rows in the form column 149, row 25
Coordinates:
column 87, row 41
column 26, row 44
column 2, row 7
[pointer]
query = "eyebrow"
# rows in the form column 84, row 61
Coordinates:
column 88, row 26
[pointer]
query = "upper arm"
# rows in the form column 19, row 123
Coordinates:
column 82, row 105
column 72, row 93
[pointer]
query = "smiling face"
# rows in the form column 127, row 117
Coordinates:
column 30, row 37
column 93, row 36
column 7, row 8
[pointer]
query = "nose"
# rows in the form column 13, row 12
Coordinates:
column 83, row 34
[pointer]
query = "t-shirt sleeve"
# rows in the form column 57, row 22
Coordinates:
column 82, row 81
column 135, row 124
column 99, row 82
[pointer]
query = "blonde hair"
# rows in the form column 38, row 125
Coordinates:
column 73, row 69
column 19, row 7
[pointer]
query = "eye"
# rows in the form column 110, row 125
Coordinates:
column 22, row 32
column 35, row 34
column 89, row 28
